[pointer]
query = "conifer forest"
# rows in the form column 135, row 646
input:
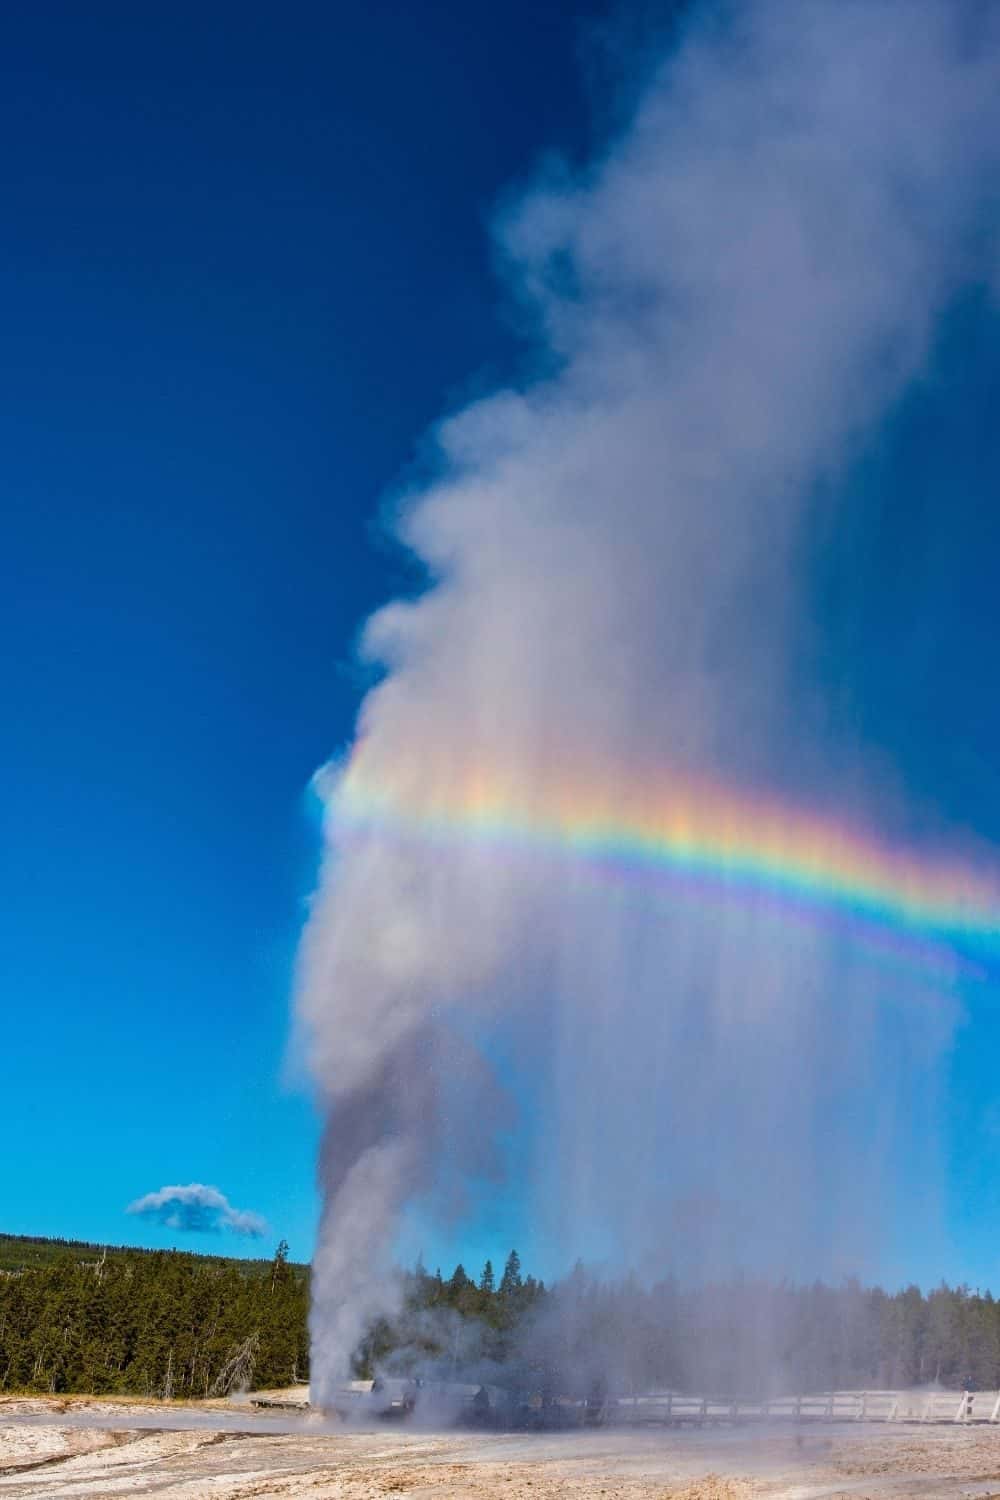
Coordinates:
column 83, row 1318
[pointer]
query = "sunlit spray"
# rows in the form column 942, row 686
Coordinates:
column 587, row 815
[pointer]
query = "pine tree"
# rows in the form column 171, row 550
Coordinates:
column 279, row 1264
column 511, row 1282
column 459, row 1281
column 486, row 1280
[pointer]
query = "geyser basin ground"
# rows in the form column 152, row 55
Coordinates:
column 59, row 1447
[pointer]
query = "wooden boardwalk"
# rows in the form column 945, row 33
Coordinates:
column 670, row 1409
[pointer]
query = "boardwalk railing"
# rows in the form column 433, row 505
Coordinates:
column 670, row 1409
column 489, row 1404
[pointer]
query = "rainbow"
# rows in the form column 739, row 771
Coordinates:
column 700, row 838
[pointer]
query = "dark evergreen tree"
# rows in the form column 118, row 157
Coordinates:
column 458, row 1283
column 510, row 1282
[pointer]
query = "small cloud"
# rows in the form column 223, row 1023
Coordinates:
column 197, row 1209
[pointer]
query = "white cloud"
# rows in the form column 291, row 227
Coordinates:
column 195, row 1208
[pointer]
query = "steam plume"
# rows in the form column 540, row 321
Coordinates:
column 724, row 305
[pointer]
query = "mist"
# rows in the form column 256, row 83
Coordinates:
column 723, row 307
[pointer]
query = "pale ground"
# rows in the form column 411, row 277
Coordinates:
column 56, row 1448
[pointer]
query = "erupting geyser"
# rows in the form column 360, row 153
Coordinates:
column 588, row 821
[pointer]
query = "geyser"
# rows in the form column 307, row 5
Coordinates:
column 725, row 305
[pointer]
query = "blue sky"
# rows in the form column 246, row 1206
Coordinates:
column 244, row 265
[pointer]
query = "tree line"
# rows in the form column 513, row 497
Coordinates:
column 459, row 1326
column 158, row 1323
column 166, row 1323
column 758, row 1338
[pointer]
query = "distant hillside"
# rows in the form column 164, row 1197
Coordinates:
column 21, row 1252
column 82, row 1317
